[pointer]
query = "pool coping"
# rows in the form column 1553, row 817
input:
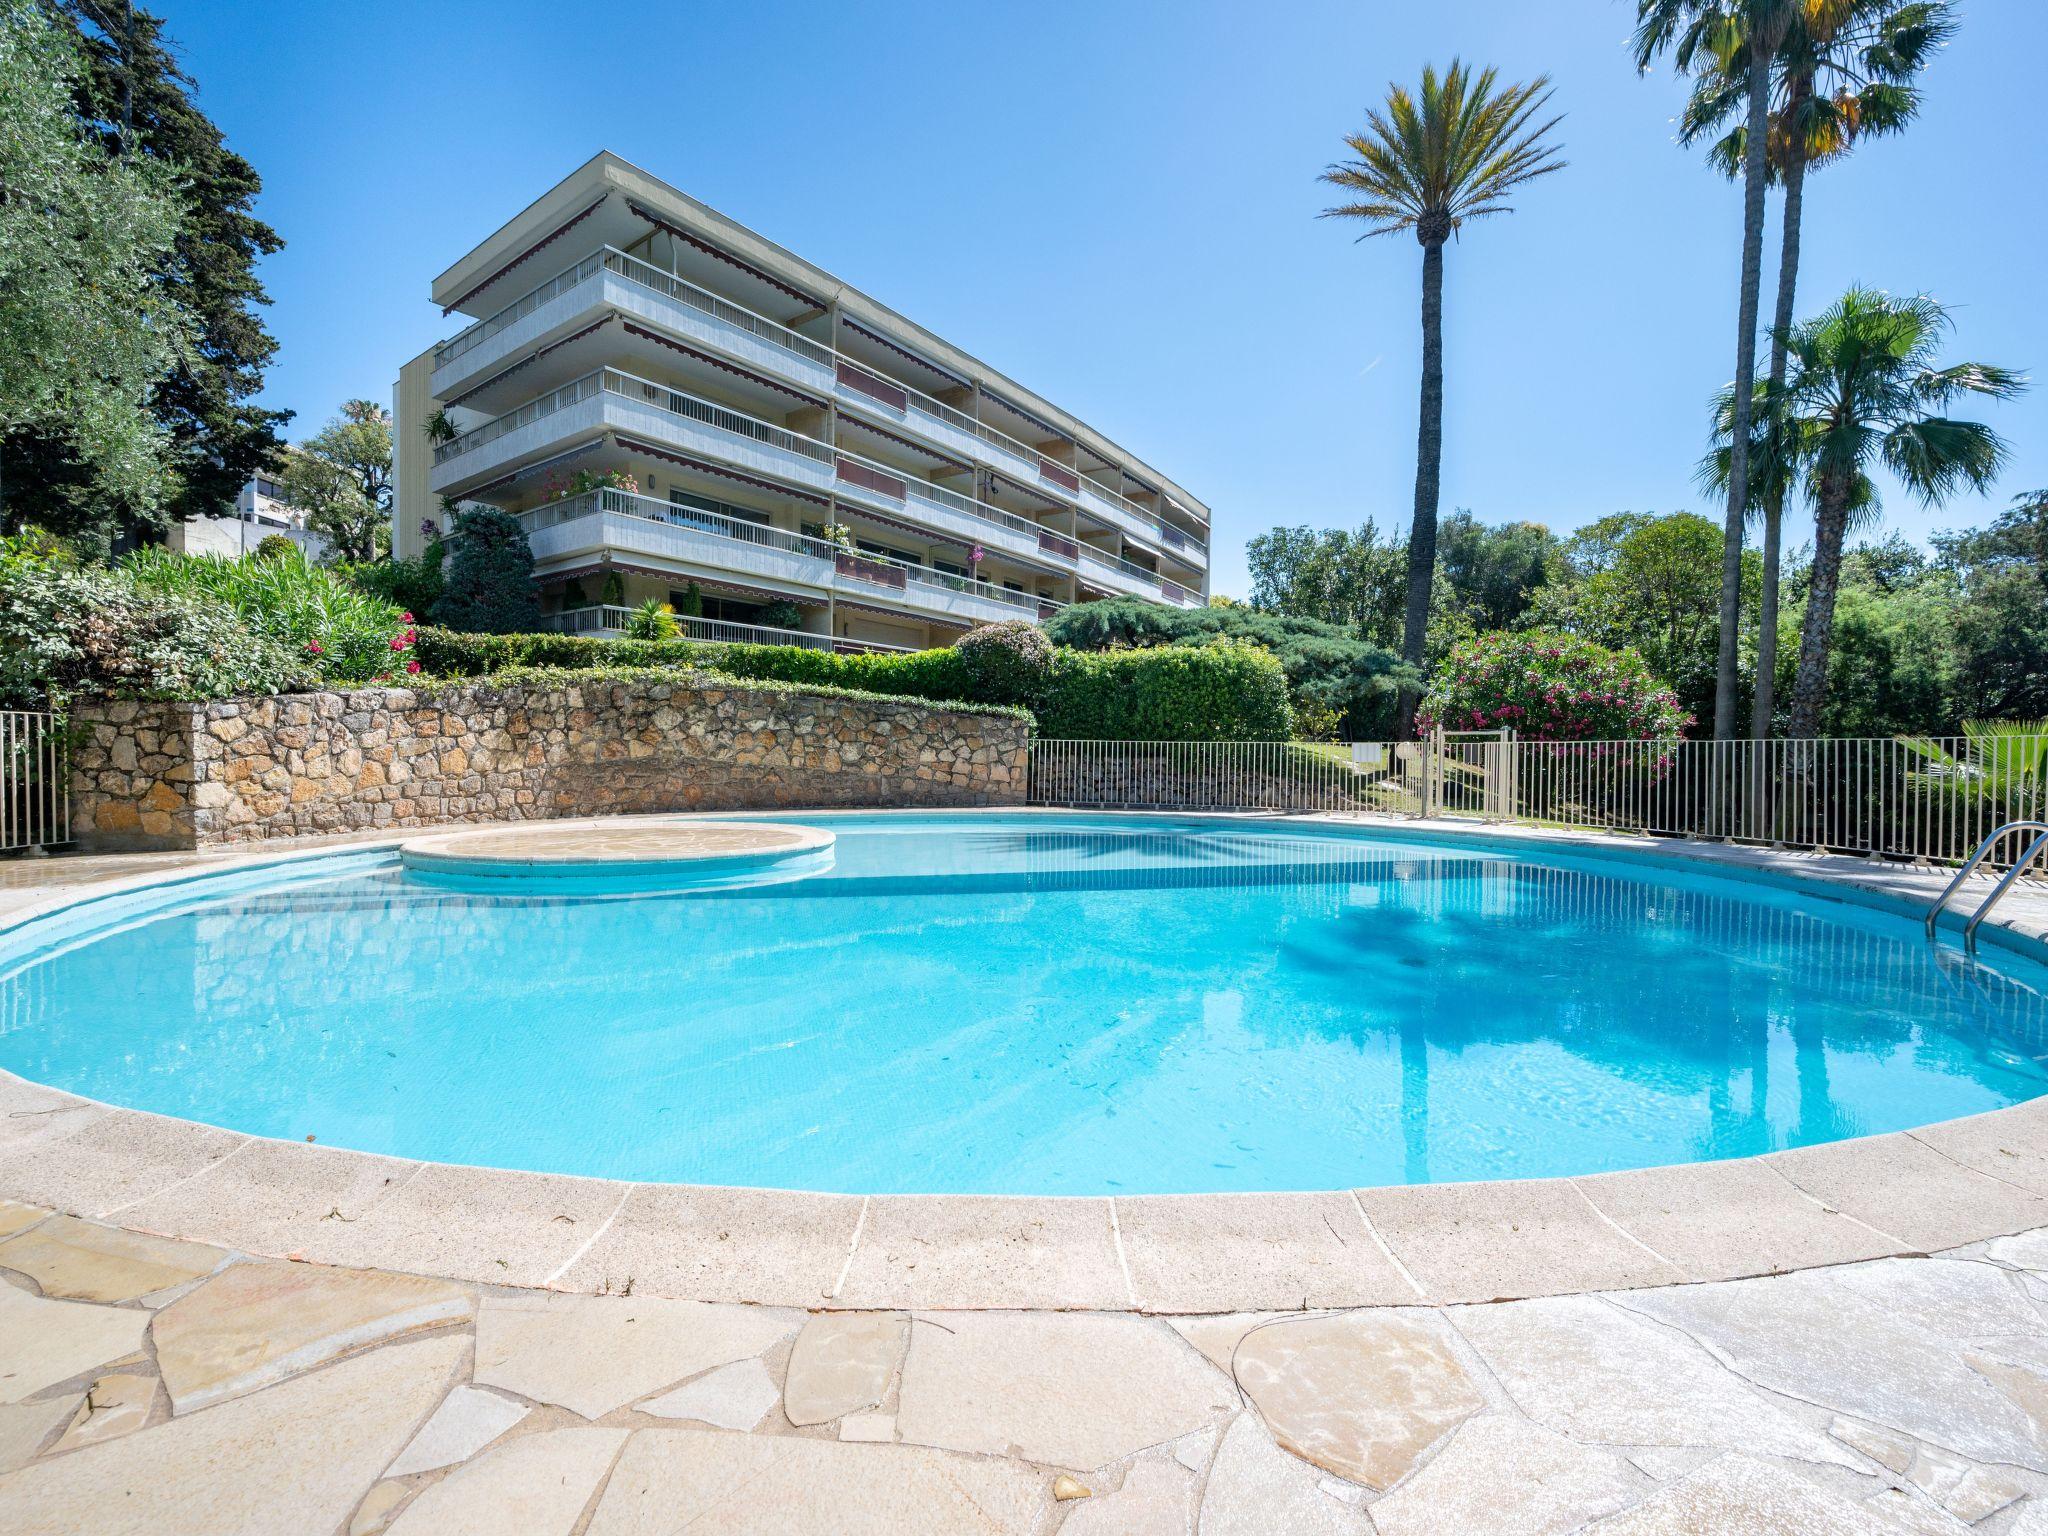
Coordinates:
column 1904, row 1193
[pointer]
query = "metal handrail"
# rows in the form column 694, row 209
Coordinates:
column 2019, row 867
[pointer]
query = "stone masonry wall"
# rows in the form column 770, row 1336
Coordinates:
column 185, row 775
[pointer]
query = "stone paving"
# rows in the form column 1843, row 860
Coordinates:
column 154, row 1385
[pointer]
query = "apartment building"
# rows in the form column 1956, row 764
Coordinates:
column 679, row 409
column 261, row 509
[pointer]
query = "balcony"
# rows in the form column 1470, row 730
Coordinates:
column 687, row 540
column 610, row 620
column 543, row 321
column 609, row 400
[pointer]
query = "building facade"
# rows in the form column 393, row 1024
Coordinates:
column 260, row 511
column 678, row 409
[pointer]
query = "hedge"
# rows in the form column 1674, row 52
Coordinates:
column 577, row 677
column 1224, row 691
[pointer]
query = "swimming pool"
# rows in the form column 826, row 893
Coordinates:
column 1031, row 1004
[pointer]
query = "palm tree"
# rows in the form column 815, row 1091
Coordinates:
column 1428, row 163
column 1844, row 71
column 1703, row 36
column 1861, row 384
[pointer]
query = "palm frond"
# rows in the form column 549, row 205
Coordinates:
column 1448, row 153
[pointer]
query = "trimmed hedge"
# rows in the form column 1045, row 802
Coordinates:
column 1224, row 691
column 576, row 677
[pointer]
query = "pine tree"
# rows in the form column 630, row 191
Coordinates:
column 490, row 576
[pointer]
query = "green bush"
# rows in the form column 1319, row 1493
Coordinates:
column 1550, row 686
column 1330, row 671
column 564, row 677
column 68, row 632
column 343, row 633
column 413, row 585
column 273, row 546
column 1227, row 690
column 1008, row 662
column 1224, row 691
column 489, row 586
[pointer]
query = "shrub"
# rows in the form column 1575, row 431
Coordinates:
column 411, row 585
column 780, row 615
column 489, row 586
column 1330, row 671
column 1008, row 662
column 343, row 633
column 1550, row 686
column 653, row 620
column 273, row 546
column 1227, row 690
column 69, row 632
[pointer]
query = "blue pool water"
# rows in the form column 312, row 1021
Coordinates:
column 1018, row 1004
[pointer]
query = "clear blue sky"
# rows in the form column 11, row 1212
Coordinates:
column 1115, row 203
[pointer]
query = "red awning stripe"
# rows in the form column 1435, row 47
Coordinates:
column 903, row 442
column 531, row 250
column 901, row 351
column 725, row 256
column 634, row 329
column 528, row 361
column 634, row 445
column 528, row 471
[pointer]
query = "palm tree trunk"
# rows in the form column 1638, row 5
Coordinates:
column 1745, row 385
column 1830, row 526
column 1429, row 450
column 1764, row 701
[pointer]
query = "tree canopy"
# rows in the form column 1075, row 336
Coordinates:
column 88, row 327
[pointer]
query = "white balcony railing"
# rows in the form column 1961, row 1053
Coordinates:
column 915, row 402
column 611, row 619
column 846, row 563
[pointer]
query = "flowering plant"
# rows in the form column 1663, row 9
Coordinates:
column 1549, row 686
column 558, row 485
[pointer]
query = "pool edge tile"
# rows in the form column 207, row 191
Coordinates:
column 718, row 1243
column 980, row 1252
column 1254, row 1252
column 1730, row 1220
column 1507, row 1239
column 1910, row 1190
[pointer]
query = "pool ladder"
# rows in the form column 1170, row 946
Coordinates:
column 2019, row 867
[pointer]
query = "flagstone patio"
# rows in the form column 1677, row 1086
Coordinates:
column 161, row 1386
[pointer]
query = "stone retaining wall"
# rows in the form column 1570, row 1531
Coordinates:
column 185, row 775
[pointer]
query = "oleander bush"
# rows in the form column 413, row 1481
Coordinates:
column 1550, row 686
column 1008, row 662
column 344, row 634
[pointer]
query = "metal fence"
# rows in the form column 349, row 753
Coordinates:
column 35, row 803
column 1930, row 799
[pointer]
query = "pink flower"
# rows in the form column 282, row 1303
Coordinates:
column 398, row 642
column 314, row 648
column 412, row 666
column 405, row 618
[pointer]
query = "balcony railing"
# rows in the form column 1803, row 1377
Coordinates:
column 855, row 376
column 718, row 525
column 476, row 335
column 611, row 619
column 675, row 402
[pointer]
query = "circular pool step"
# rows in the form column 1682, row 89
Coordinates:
column 621, row 855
